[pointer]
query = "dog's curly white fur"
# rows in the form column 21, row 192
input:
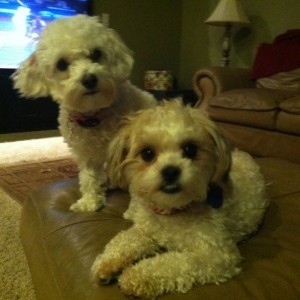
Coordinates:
column 85, row 67
column 170, row 157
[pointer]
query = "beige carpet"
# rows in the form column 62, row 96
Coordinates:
column 15, row 279
column 14, row 272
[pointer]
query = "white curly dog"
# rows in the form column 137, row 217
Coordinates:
column 192, row 200
column 85, row 67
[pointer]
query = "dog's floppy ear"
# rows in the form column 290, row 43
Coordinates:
column 116, row 155
column 29, row 79
column 224, row 156
column 223, row 150
column 121, row 59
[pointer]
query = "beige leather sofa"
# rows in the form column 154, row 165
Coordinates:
column 61, row 245
column 264, row 122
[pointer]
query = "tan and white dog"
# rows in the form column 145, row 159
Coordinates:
column 192, row 200
column 84, row 66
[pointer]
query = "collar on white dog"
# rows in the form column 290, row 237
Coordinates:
column 214, row 199
column 89, row 120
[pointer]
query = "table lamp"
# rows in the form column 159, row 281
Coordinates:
column 227, row 13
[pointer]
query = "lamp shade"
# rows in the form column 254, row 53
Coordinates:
column 228, row 11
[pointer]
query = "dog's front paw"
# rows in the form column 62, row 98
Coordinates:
column 89, row 203
column 104, row 271
column 134, row 283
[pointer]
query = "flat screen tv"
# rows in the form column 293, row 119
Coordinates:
column 22, row 21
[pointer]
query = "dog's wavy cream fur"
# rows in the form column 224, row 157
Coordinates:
column 177, row 239
column 70, row 52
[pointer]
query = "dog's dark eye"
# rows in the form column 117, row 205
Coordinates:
column 96, row 55
column 62, row 65
column 190, row 150
column 147, row 154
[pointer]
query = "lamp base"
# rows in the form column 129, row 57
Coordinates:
column 226, row 46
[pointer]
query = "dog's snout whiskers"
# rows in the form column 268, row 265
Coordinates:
column 90, row 81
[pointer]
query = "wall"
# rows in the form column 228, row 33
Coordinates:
column 171, row 34
column 195, row 48
column 201, row 44
column 151, row 28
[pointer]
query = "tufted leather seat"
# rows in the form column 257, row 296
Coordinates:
column 61, row 245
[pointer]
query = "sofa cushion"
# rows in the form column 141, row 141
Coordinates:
column 291, row 105
column 280, row 182
column 61, row 245
column 250, row 99
column 288, row 119
column 262, row 143
column 263, row 119
column 289, row 81
column 289, row 123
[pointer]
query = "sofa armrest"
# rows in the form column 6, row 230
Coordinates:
column 211, row 81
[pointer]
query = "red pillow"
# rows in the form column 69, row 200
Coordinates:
column 274, row 58
column 292, row 36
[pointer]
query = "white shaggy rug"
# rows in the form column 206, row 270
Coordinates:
column 18, row 152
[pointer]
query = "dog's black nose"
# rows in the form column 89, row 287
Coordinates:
column 89, row 81
column 171, row 174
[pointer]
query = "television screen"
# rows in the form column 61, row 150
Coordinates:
column 22, row 21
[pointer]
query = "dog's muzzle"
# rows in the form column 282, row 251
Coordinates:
column 90, row 82
column 170, row 175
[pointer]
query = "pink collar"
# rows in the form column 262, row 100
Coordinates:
column 198, row 207
column 214, row 200
column 173, row 211
column 89, row 120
